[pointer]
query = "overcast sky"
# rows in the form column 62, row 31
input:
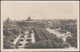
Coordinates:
column 39, row 10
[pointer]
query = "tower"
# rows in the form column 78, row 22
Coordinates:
column 29, row 18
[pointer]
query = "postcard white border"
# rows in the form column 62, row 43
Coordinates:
column 40, row 49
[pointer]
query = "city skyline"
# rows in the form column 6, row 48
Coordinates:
column 20, row 10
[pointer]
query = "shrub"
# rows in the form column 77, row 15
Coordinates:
column 72, row 41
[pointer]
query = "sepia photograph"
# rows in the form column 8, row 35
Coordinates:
column 42, row 26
